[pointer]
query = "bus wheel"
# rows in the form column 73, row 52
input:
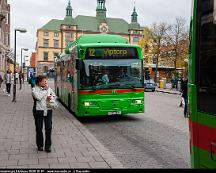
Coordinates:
column 69, row 101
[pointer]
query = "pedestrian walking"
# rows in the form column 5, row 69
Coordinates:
column 20, row 79
column 16, row 77
column 185, row 96
column 8, row 80
column 42, row 94
column 182, row 99
column 33, row 79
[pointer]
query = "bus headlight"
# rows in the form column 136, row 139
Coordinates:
column 139, row 102
column 88, row 103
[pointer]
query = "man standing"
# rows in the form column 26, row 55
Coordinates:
column 185, row 96
column 8, row 80
column 20, row 79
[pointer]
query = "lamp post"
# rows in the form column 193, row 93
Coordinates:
column 24, row 67
column 21, row 30
column 22, row 49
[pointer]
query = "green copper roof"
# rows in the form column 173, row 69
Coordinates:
column 87, row 23
column 68, row 20
column 53, row 25
column 117, row 25
column 135, row 25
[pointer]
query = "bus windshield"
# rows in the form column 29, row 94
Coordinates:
column 111, row 74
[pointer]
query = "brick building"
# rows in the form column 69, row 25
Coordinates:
column 4, row 36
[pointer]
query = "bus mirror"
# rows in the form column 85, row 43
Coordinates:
column 81, row 51
column 79, row 64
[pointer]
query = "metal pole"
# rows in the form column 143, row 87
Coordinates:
column 21, row 71
column 14, row 86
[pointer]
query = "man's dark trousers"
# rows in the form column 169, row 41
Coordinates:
column 39, row 118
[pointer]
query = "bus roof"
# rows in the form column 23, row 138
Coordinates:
column 96, row 38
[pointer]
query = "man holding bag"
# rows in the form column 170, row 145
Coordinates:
column 42, row 94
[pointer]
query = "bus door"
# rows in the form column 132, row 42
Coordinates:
column 205, row 127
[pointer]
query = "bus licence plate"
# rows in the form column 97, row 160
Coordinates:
column 114, row 113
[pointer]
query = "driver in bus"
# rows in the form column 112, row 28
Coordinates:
column 105, row 77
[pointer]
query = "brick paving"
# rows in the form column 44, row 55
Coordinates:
column 73, row 145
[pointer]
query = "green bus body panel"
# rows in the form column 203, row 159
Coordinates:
column 202, row 159
column 105, row 103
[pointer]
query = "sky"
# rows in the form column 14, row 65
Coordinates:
column 33, row 14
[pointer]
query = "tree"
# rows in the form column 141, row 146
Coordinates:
column 179, row 37
column 147, row 44
column 159, row 35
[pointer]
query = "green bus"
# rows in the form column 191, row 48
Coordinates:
column 202, row 84
column 101, row 75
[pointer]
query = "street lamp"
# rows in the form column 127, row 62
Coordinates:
column 21, row 30
column 22, row 49
column 24, row 67
column 24, row 64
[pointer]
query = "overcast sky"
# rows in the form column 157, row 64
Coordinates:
column 33, row 14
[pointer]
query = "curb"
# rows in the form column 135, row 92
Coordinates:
column 167, row 92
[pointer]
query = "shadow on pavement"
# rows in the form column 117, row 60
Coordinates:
column 105, row 119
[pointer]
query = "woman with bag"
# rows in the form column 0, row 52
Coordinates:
column 42, row 112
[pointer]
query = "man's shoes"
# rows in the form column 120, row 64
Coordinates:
column 40, row 148
column 48, row 150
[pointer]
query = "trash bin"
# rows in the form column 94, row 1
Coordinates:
column 161, row 84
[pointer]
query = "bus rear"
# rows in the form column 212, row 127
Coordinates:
column 110, row 80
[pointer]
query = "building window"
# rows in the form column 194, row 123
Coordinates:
column 56, row 43
column 136, row 39
column 46, row 34
column 56, row 34
column 46, row 43
column 46, row 55
column 45, row 69
column 55, row 55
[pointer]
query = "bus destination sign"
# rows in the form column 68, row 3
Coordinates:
column 112, row 53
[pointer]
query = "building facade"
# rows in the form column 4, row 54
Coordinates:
column 4, row 36
column 33, row 61
column 54, row 36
